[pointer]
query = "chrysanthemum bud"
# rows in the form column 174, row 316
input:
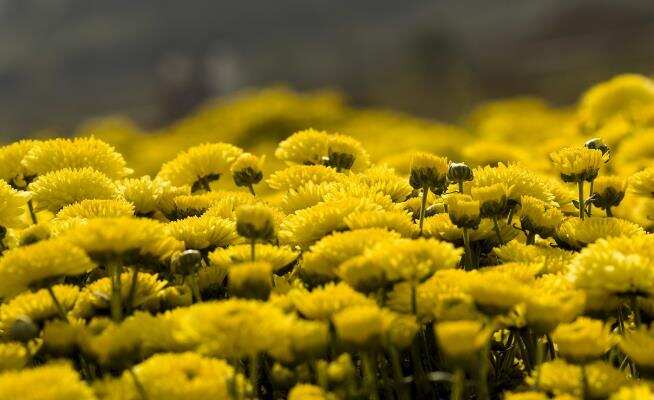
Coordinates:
column 608, row 191
column 461, row 341
column 598, row 144
column 492, row 199
column 463, row 211
column 23, row 329
column 459, row 172
column 246, row 170
column 429, row 172
column 251, row 280
column 187, row 262
column 255, row 222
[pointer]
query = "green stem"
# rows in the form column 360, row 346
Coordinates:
column 116, row 291
column 509, row 218
column 468, row 250
column 496, row 228
column 251, row 189
column 398, row 375
column 254, row 374
column 550, row 347
column 580, row 185
column 590, row 205
column 539, row 361
column 60, row 309
column 370, row 375
column 461, row 187
column 458, row 381
column 531, row 238
column 30, row 207
column 139, row 386
column 585, row 392
column 195, row 287
column 482, row 384
column 423, row 205
column 609, row 213
column 633, row 304
column 252, row 248
column 129, row 305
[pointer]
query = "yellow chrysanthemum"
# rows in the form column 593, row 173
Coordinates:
column 634, row 392
column 114, row 237
column 83, row 152
column 12, row 206
column 246, row 170
column 642, row 183
column 583, row 340
column 11, row 168
column 36, row 265
column 203, row 233
column 577, row 164
column 608, row 191
column 520, row 180
column 553, row 301
column 56, row 381
column 614, row 267
column 60, row 188
column 94, row 298
column 492, row 199
column 278, row 257
column 362, row 326
column 199, row 165
column 256, row 222
column 539, row 217
column 385, row 180
column 576, row 233
column 322, row 303
column 95, row 208
column 36, row 307
column 185, row 376
column 305, row 227
column 305, row 196
column 328, row 253
column 619, row 95
column 428, row 172
column 397, row 221
column 441, row 227
column 553, row 258
column 464, row 212
column 13, row 356
column 639, row 346
column 303, row 391
column 461, row 341
column 144, row 193
column 297, row 175
column 560, row 378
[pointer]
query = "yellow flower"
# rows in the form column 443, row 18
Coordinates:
column 35, row 307
column 362, row 326
column 520, row 180
column 575, row 233
column 246, row 170
column 39, row 264
column 560, row 378
column 11, row 168
column 642, row 183
column 428, row 172
column 12, row 206
column 256, row 221
column 583, row 340
column 622, row 94
column 303, row 391
column 496, row 292
column 492, row 199
column 615, row 266
column 94, row 208
column 186, row 376
column 203, row 233
column 461, row 341
column 104, row 238
column 12, row 356
column 463, row 211
column 322, row 303
column 199, row 165
column 305, row 196
column 397, row 221
column 634, row 392
column 552, row 301
column 577, row 164
column 608, row 191
column 280, row 258
column 538, row 217
column 55, row 381
column 57, row 189
column 304, row 147
column 250, row 280
column 385, row 180
column 304, row 227
column 297, row 175
column 83, row 152
column 525, row 396
column 639, row 346
column 144, row 193
column 324, row 257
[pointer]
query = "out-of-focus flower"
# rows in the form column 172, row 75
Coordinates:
column 583, row 340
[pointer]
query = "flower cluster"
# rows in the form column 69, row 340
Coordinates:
column 399, row 259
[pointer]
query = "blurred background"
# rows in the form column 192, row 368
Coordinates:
column 62, row 61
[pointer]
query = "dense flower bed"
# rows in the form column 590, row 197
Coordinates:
column 508, row 257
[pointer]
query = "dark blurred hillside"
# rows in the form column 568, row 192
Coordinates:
column 64, row 60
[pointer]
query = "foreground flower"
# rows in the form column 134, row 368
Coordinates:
column 56, row 381
column 12, row 206
column 200, row 165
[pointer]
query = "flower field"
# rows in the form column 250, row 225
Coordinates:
column 249, row 251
